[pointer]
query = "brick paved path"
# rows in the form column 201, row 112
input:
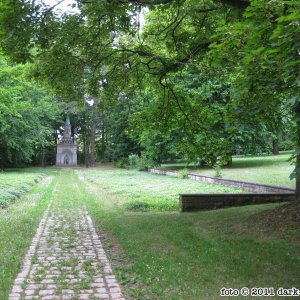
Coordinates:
column 66, row 261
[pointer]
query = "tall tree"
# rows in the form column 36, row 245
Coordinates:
column 27, row 115
column 262, row 53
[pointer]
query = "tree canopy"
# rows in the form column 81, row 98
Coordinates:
column 199, row 79
column 27, row 116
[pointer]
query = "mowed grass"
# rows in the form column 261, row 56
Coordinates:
column 19, row 221
column 164, row 255
column 192, row 255
column 273, row 169
column 15, row 183
column 142, row 191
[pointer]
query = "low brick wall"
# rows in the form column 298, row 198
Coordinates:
column 163, row 172
column 243, row 185
column 195, row 202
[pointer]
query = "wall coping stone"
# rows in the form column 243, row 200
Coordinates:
column 244, row 185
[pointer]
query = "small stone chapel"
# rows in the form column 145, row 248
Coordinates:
column 66, row 154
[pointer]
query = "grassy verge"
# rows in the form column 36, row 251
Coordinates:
column 18, row 223
column 274, row 169
column 141, row 191
column 16, row 182
column 192, row 256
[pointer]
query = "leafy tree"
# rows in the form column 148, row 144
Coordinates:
column 246, row 53
column 26, row 118
column 262, row 53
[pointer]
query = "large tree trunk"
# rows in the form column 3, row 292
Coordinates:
column 93, row 137
column 297, row 170
column 43, row 158
column 275, row 147
column 85, row 151
column 103, row 142
column 297, row 173
column 229, row 162
column 55, row 136
column 93, row 134
column 298, row 184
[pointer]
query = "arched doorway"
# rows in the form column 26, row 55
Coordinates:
column 66, row 158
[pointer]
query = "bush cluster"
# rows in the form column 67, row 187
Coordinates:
column 122, row 163
column 183, row 174
column 218, row 170
column 136, row 162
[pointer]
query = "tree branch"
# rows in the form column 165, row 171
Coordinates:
column 242, row 4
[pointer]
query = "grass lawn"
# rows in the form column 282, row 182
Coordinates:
column 142, row 191
column 273, row 169
column 14, row 183
column 192, row 256
column 160, row 254
column 19, row 221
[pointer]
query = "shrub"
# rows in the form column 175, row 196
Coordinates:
column 133, row 161
column 122, row 163
column 140, row 163
column 145, row 163
column 38, row 179
column 217, row 168
column 183, row 174
column 137, row 205
column 3, row 203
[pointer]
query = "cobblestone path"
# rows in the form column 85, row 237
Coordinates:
column 66, row 261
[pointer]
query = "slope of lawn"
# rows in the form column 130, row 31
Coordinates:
column 19, row 221
column 273, row 169
column 14, row 183
column 160, row 255
column 142, row 191
column 193, row 255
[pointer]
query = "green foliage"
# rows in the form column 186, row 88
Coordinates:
column 199, row 81
column 122, row 163
column 27, row 115
column 140, row 163
column 183, row 174
column 272, row 169
column 117, row 141
column 218, row 170
column 261, row 50
column 286, row 144
column 3, row 203
column 133, row 161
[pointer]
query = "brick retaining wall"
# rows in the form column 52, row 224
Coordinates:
column 195, row 202
column 262, row 193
